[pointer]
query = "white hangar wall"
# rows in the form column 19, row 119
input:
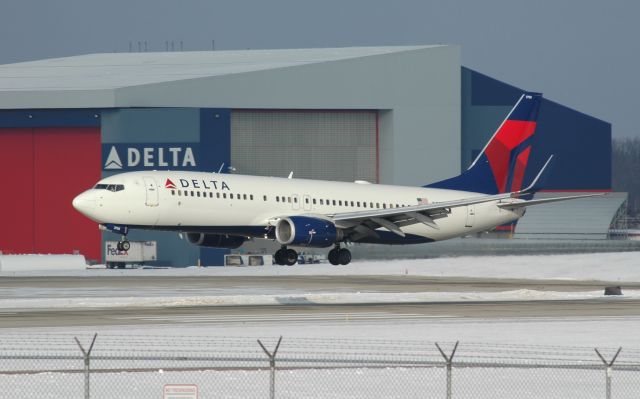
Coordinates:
column 416, row 91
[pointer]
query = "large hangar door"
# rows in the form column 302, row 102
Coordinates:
column 327, row 145
column 42, row 170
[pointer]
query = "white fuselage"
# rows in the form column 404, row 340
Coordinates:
column 248, row 205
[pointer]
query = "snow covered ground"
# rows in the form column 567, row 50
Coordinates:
column 616, row 266
column 494, row 334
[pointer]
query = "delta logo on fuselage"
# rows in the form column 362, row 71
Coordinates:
column 199, row 184
column 150, row 157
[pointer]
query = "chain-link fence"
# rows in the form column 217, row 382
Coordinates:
column 148, row 366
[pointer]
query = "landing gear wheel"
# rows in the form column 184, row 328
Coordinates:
column 333, row 257
column 126, row 245
column 344, row 256
column 279, row 257
column 291, row 257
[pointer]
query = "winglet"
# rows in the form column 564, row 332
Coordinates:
column 534, row 186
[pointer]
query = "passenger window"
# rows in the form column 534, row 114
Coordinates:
column 358, row 204
column 351, row 203
column 295, row 199
column 384, row 206
column 198, row 193
column 239, row 197
column 321, row 201
column 179, row 193
column 244, row 196
column 364, row 204
column 339, row 202
column 264, row 197
column 231, row 195
column 378, row 205
column 251, row 197
column 289, row 199
column 224, row 195
column 306, row 200
column 217, row 195
column 193, row 195
column 334, row 203
column 277, row 198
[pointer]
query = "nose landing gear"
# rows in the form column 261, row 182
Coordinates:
column 339, row 256
column 123, row 245
column 285, row 256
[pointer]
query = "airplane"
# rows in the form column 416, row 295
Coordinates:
column 224, row 210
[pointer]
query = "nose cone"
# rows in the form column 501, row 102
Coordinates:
column 84, row 203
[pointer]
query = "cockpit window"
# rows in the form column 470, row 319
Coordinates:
column 110, row 187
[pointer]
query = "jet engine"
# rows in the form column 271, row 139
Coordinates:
column 215, row 240
column 306, row 231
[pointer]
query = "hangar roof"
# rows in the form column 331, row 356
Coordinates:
column 117, row 70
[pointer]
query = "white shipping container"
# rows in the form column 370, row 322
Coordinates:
column 139, row 253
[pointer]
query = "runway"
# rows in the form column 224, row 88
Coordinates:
column 73, row 286
column 320, row 314
column 132, row 286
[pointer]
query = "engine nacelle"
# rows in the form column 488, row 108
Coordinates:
column 305, row 231
column 215, row 240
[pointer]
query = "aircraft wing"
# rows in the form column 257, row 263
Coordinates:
column 365, row 222
column 516, row 205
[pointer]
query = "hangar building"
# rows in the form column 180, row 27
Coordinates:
column 397, row 115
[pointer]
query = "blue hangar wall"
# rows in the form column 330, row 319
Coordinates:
column 197, row 139
column 581, row 144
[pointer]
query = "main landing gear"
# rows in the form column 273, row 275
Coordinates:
column 285, row 256
column 339, row 256
column 289, row 257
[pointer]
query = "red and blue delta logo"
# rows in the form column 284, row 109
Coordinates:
column 169, row 184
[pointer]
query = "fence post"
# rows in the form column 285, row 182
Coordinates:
column 87, row 370
column 272, row 366
column 609, row 368
column 449, row 361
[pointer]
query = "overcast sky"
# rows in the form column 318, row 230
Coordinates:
column 583, row 54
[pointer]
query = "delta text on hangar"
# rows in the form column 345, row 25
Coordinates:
column 405, row 115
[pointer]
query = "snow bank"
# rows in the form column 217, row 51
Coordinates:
column 20, row 263
column 306, row 299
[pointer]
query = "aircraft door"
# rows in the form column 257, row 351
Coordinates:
column 306, row 202
column 295, row 201
column 152, row 191
column 471, row 215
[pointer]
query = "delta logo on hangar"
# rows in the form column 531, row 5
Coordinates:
column 150, row 157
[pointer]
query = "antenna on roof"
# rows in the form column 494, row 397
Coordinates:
column 213, row 45
column 221, row 166
column 290, row 175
